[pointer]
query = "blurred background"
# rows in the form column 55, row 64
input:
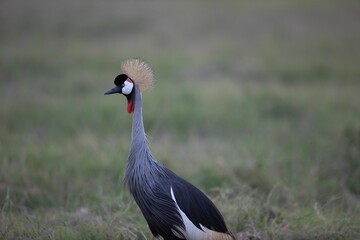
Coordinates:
column 255, row 102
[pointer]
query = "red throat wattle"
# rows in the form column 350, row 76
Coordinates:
column 130, row 105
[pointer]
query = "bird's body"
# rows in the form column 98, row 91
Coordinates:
column 172, row 207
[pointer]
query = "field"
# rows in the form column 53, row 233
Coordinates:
column 255, row 102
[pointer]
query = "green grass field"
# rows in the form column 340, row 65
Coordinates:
column 257, row 103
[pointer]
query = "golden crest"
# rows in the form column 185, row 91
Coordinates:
column 139, row 71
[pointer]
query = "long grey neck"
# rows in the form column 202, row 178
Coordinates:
column 141, row 167
column 138, row 137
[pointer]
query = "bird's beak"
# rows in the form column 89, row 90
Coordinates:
column 117, row 89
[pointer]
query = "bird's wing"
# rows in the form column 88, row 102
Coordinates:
column 159, row 210
column 196, row 205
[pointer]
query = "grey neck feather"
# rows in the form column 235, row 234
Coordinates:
column 142, row 167
column 138, row 137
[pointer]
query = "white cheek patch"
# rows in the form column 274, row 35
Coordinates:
column 128, row 86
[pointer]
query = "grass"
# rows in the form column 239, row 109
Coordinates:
column 256, row 104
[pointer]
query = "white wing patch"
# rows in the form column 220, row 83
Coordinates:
column 127, row 88
column 190, row 231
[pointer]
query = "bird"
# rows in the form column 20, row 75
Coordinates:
column 173, row 208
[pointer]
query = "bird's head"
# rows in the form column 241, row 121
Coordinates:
column 136, row 75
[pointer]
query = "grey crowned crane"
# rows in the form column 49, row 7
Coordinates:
column 173, row 208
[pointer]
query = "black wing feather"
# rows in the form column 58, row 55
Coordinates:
column 196, row 205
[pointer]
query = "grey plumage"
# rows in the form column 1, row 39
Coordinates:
column 142, row 177
column 149, row 182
